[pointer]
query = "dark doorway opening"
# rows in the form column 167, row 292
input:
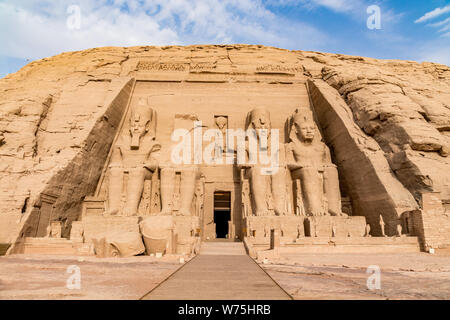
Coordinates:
column 222, row 213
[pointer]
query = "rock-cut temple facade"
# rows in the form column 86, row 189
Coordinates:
column 152, row 150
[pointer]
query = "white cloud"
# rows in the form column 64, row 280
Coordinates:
column 357, row 9
column 440, row 23
column 334, row 5
column 444, row 25
column 30, row 33
column 337, row 5
column 30, row 30
column 447, row 27
column 433, row 14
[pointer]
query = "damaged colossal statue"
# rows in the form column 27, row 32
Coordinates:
column 182, row 200
column 267, row 183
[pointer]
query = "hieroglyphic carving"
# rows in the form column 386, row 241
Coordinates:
column 276, row 68
column 299, row 207
column 202, row 66
column 158, row 66
column 155, row 205
column 199, row 197
column 144, row 206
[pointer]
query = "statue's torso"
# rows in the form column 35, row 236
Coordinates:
column 270, row 152
column 137, row 157
column 308, row 155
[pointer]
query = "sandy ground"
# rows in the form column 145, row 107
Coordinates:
column 303, row 276
column 344, row 276
column 45, row 277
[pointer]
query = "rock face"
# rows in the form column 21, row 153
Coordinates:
column 373, row 186
column 406, row 111
column 386, row 122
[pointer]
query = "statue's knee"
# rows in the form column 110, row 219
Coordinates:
column 115, row 169
column 308, row 173
column 189, row 171
column 167, row 171
column 331, row 171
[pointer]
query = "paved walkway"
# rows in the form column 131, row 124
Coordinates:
column 222, row 271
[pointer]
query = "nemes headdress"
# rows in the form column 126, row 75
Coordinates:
column 252, row 113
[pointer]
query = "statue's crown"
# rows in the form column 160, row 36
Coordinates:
column 143, row 109
column 302, row 115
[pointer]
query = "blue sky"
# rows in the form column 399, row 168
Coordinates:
column 412, row 30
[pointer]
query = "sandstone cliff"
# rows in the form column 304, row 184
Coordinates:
column 58, row 117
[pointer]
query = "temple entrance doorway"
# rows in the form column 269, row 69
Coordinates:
column 222, row 213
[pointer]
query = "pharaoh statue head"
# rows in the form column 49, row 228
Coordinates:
column 259, row 120
column 141, row 121
column 303, row 126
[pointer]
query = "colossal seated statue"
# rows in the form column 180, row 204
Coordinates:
column 179, row 172
column 309, row 160
column 266, row 181
column 136, row 153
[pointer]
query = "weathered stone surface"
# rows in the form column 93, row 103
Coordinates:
column 386, row 122
column 405, row 109
column 367, row 177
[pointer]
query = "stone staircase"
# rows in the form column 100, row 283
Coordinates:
column 222, row 248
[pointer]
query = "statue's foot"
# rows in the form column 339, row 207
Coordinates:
column 337, row 214
column 280, row 212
